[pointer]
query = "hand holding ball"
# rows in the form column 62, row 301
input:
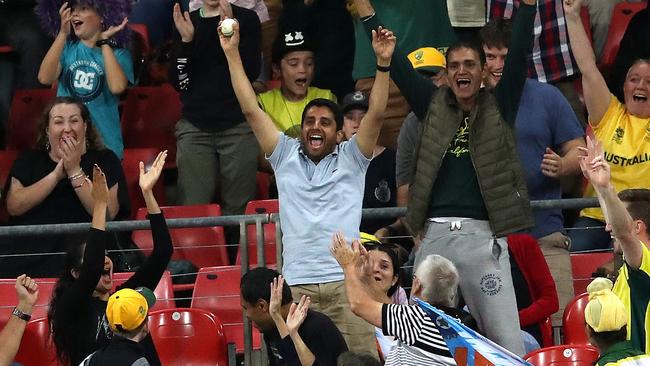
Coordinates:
column 227, row 27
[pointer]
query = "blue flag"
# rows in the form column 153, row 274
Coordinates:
column 468, row 347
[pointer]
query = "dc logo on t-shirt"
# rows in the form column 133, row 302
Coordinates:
column 85, row 80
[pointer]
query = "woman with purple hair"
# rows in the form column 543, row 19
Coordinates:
column 88, row 58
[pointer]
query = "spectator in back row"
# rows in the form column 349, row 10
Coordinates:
column 423, row 23
column 548, row 136
column 622, row 128
column 320, row 186
column 293, row 61
column 468, row 189
column 214, row 142
column 49, row 185
column 380, row 190
column 294, row 335
column 85, row 63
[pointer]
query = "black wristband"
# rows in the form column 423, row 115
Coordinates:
column 102, row 42
column 17, row 312
column 383, row 68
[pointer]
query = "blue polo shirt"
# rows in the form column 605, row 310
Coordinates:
column 317, row 200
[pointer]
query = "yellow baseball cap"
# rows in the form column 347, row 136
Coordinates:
column 605, row 312
column 127, row 308
column 427, row 59
column 366, row 238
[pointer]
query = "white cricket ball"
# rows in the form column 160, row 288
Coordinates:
column 227, row 27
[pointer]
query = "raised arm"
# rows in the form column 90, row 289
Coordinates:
column 597, row 171
column 594, row 87
column 416, row 89
column 295, row 317
column 383, row 42
column 265, row 131
column 152, row 269
column 361, row 303
column 12, row 333
column 508, row 91
column 115, row 76
column 51, row 65
column 179, row 73
column 93, row 260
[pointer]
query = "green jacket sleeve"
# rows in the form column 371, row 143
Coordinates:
column 508, row 91
column 416, row 89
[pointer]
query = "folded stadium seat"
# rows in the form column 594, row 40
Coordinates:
column 584, row 265
column 5, row 48
column 586, row 22
column 132, row 157
column 621, row 16
column 36, row 348
column 149, row 117
column 203, row 246
column 546, row 328
column 261, row 207
column 185, row 336
column 164, row 291
column 273, row 84
column 142, row 32
column 27, row 106
column 140, row 49
column 263, row 181
column 7, row 158
column 563, row 356
column 573, row 321
column 8, row 298
column 217, row 290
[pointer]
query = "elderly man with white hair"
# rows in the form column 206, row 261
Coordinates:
column 435, row 281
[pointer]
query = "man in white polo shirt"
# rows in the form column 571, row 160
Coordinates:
column 320, row 186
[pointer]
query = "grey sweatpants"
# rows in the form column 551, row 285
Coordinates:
column 485, row 280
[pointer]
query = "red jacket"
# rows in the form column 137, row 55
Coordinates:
column 530, row 260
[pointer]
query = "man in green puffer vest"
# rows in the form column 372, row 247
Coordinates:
column 468, row 189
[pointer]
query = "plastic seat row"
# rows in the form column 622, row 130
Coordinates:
column 182, row 336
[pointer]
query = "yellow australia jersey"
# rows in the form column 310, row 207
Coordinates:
column 633, row 288
column 626, row 141
column 287, row 115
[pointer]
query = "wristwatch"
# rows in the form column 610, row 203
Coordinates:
column 108, row 41
column 17, row 312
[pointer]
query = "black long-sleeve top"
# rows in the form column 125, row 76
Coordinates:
column 200, row 70
column 86, row 313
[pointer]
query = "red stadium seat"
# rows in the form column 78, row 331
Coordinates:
column 583, row 265
column 149, row 117
column 546, row 328
column 621, row 16
column 563, row 356
column 164, row 291
column 5, row 48
column 36, row 348
column 143, row 33
column 188, row 337
column 27, row 106
column 261, row 207
column 203, row 246
column 132, row 157
column 7, row 158
column 573, row 321
column 263, row 181
column 217, row 290
column 8, row 298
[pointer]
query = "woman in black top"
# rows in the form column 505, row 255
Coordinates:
column 78, row 305
column 49, row 185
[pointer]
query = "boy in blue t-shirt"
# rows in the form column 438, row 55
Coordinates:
column 90, row 63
